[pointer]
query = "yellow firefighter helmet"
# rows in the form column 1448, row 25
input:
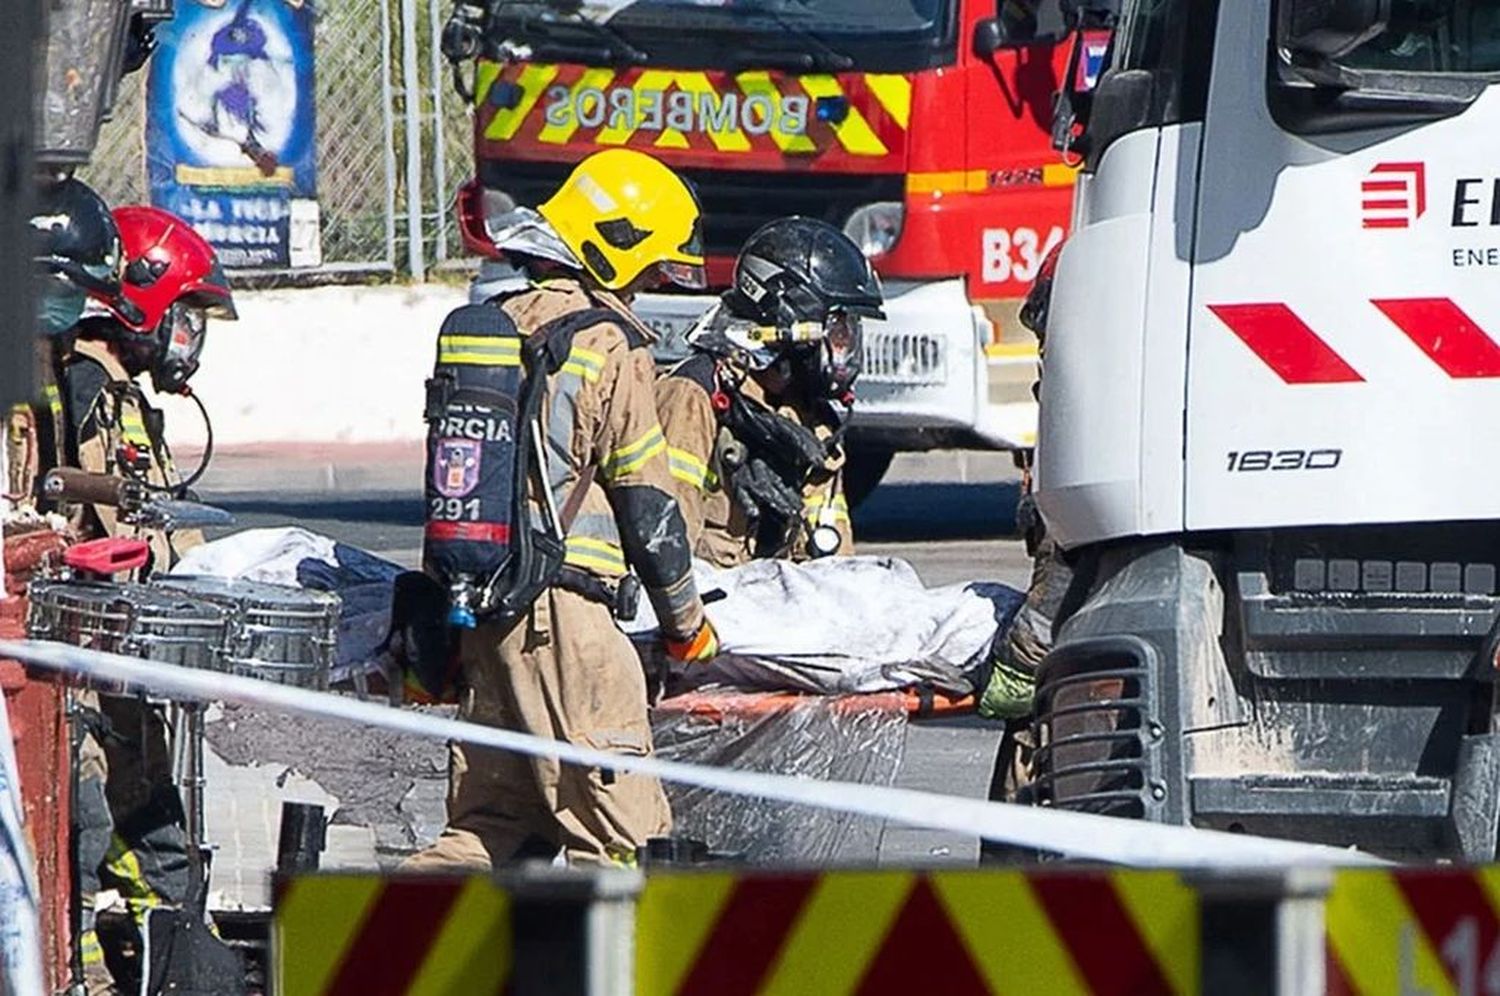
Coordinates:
column 622, row 212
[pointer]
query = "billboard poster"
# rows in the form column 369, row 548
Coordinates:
column 230, row 138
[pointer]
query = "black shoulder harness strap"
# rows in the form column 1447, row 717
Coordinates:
column 700, row 368
column 554, row 341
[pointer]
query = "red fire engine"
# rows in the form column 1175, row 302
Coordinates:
column 903, row 121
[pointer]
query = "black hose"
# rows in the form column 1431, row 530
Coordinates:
column 208, row 447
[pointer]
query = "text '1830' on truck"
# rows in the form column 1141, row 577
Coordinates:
column 1272, row 373
column 902, row 121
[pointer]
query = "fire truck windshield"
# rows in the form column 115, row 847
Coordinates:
column 839, row 17
column 821, row 35
column 1434, row 36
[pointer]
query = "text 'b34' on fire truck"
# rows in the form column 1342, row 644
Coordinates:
column 1270, row 374
column 901, row 121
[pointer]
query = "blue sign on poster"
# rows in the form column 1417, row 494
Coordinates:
column 230, row 126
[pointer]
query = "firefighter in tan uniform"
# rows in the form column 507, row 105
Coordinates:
column 755, row 417
column 131, row 837
column 563, row 669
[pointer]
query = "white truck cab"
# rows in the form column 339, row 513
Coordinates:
column 1271, row 363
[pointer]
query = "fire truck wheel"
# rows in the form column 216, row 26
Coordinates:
column 863, row 470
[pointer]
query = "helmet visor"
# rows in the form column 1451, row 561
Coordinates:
column 184, row 331
column 843, row 352
column 96, row 280
column 689, row 275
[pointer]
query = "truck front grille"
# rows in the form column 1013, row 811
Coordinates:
column 735, row 202
column 908, row 358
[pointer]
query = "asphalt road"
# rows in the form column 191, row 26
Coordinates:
column 951, row 515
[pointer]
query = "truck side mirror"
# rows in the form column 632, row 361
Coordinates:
column 989, row 37
column 1327, row 29
column 1019, row 23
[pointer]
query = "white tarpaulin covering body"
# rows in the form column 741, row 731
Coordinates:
column 835, row 626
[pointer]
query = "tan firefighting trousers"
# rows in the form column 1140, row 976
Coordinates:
column 563, row 671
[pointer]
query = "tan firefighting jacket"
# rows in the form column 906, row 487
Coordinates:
column 602, row 434
column 717, row 526
column 109, row 420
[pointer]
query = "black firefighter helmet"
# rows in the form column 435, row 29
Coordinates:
column 809, row 281
column 77, row 251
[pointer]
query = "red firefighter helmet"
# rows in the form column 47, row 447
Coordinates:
column 167, row 263
column 173, row 276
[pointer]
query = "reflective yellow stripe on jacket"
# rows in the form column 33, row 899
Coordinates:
column 89, row 949
column 125, row 865
column 585, row 363
column 595, row 554
column 813, row 507
column 632, row 457
column 133, row 427
column 687, row 468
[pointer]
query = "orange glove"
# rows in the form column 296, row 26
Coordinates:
column 700, row 648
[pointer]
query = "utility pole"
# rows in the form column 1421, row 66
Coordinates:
column 20, row 49
column 20, row 45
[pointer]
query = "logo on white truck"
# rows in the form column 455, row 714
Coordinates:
column 1394, row 195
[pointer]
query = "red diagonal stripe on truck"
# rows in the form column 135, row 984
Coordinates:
column 1285, row 343
column 1450, row 338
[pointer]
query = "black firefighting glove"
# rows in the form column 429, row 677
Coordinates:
column 762, row 493
column 792, row 448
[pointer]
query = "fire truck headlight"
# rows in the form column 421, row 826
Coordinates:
column 876, row 228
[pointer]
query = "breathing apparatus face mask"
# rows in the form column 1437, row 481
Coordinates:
column 829, row 362
column 842, row 354
column 181, row 336
column 825, row 358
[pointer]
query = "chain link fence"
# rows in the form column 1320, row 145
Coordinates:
column 452, row 145
column 364, row 67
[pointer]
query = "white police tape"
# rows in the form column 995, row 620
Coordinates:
column 1073, row 835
